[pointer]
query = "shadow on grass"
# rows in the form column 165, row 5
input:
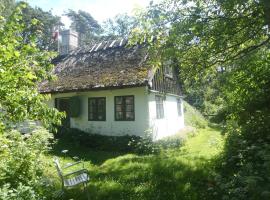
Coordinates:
column 183, row 173
column 83, row 153
column 148, row 177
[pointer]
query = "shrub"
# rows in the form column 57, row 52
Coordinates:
column 126, row 143
column 193, row 117
column 22, row 166
column 144, row 145
column 244, row 167
column 170, row 142
column 96, row 141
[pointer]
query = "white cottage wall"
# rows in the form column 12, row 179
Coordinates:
column 171, row 123
column 110, row 126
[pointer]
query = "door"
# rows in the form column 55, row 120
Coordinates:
column 62, row 104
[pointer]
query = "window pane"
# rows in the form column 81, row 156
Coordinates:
column 129, row 108
column 159, row 107
column 129, row 115
column 129, row 100
column 161, row 112
column 91, row 115
column 118, row 100
column 119, row 108
column 100, row 106
column 91, row 107
column 100, row 116
column 92, row 102
column 119, row 115
column 179, row 109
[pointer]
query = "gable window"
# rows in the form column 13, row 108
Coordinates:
column 97, row 109
column 168, row 69
column 124, row 108
column 179, row 107
column 159, row 107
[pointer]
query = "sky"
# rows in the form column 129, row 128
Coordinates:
column 99, row 9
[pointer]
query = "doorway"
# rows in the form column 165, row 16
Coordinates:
column 63, row 105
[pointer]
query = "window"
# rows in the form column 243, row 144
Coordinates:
column 159, row 107
column 168, row 69
column 97, row 109
column 179, row 107
column 124, row 108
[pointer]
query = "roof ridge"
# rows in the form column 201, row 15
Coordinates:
column 101, row 45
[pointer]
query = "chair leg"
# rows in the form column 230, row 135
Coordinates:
column 86, row 190
column 59, row 194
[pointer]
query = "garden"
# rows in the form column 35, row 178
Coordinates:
column 221, row 50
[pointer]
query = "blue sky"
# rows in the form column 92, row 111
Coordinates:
column 99, row 9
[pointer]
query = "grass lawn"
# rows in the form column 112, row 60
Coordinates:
column 182, row 173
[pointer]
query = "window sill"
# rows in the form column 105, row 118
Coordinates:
column 96, row 120
column 124, row 120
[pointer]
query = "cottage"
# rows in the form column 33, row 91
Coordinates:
column 111, row 89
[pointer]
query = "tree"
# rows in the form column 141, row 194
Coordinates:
column 204, row 37
column 120, row 26
column 6, row 7
column 86, row 26
column 47, row 23
column 22, row 67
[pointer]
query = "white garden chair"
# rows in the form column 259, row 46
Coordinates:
column 72, row 178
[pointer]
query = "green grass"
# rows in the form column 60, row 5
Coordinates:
column 182, row 173
column 193, row 117
column 208, row 143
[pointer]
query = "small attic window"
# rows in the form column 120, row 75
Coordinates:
column 168, row 69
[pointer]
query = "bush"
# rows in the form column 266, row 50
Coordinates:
column 125, row 144
column 245, row 165
column 96, row 141
column 144, row 145
column 193, row 117
column 22, row 166
column 170, row 142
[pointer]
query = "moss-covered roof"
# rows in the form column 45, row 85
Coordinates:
column 109, row 64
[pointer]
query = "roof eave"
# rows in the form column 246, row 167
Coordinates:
column 145, row 83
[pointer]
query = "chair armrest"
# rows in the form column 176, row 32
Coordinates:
column 76, row 172
column 72, row 164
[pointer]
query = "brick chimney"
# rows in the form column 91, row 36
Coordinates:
column 69, row 41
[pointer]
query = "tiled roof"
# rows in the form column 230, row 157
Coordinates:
column 109, row 64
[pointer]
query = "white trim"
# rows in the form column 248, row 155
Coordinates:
column 175, row 95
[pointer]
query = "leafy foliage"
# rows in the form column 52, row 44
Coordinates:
column 193, row 117
column 22, row 67
column 120, row 26
column 222, row 49
column 6, row 7
column 107, row 143
column 22, row 165
column 124, row 144
column 86, row 26
column 246, row 158
column 46, row 25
